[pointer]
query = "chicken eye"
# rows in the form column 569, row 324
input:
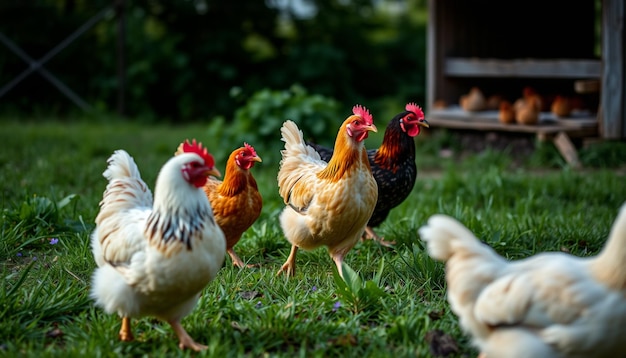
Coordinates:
column 357, row 122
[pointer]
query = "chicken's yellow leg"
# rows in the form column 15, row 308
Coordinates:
column 338, row 258
column 126, row 334
column 290, row 265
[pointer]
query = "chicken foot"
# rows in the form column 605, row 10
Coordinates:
column 126, row 334
column 290, row 265
column 370, row 234
column 236, row 260
column 185, row 341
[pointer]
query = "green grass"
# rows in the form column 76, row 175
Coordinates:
column 51, row 184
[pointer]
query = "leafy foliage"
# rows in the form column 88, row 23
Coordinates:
column 361, row 295
column 38, row 214
column 258, row 122
column 182, row 58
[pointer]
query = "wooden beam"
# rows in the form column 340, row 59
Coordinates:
column 567, row 149
column 554, row 68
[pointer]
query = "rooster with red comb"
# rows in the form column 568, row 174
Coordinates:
column 393, row 164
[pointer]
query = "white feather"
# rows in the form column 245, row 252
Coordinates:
column 140, row 274
column 548, row 305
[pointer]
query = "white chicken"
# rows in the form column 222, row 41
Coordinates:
column 154, row 258
column 548, row 305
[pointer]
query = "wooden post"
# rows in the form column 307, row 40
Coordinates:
column 567, row 149
column 613, row 95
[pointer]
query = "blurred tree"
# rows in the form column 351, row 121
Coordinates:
column 183, row 57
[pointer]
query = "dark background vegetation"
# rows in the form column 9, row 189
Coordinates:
column 190, row 60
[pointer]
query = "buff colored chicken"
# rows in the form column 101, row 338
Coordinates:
column 548, row 305
column 528, row 108
column 327, row 204
column 154, row 257
column 236, row 200
column 473, row 101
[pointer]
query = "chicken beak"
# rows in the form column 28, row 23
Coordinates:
column 372, row 128
column 214, row 172
column 256, row 158
column 424, row 123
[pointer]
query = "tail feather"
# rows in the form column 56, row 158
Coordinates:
column 121, row 165
column 446, row 236
column 126, row 189
column 294, row 142
column 608, row 265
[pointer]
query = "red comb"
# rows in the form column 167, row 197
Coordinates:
column 413, row 107
column 362, row 112
column 250, row 148
column 196, row 147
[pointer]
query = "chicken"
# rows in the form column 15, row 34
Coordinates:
column 473, row 101
column 561, row 106
column 327, row 204
column 506, row 114
column 528, row 108
column 393, row 164
column 548, row 305
column 154, row 257
column 527, row 113
column 236, row 201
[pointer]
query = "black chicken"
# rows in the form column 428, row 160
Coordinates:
column 393, row 164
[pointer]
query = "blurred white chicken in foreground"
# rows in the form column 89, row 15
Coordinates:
column 548, row 305
column 154, row 259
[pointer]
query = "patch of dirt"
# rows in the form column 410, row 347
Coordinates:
column 517, row 145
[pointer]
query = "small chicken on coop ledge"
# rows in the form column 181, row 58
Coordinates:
column 557, row 118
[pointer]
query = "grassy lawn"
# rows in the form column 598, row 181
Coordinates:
column 51, row 182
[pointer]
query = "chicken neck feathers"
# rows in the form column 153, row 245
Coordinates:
column 235, row 180
column 345, row 160
column 397, row 147
column 236, row 201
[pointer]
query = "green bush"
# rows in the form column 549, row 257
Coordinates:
column 258, row 122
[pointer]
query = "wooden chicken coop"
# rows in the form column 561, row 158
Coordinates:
column 556, row 47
